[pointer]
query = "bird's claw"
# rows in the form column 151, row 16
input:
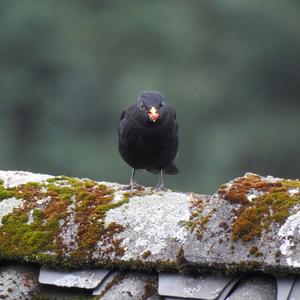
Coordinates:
column 133, row 186
column 161, row 188
column 136, row 186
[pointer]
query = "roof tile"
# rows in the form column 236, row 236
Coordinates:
column 86, row 279
column 206, row 287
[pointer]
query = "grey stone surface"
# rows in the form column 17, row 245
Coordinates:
column 167, row 230
column 284, row 286
column 86, row 279
column 295, row 294
column 133, row 286
column 18, row 281
column 7, row 206
column 108, row 280
column 279, row 246
column 200, row 287
column 21, row 282
column 228, row 289
column 16, row 178
column 255, row 288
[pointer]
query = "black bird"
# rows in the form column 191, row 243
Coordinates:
column 148, row 136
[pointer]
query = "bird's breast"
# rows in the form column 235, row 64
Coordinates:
column 148, row 146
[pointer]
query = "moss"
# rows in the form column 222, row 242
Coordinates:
column 90, row 202
column 239, row 189
column 289, row 183
column 197, row 222
column 115, row 281
column 6, row 193
column 93, row 202
column 254, row 251
column 18, row 238
column 146, row 254
column 106, row 207
column 277, row 254
column 181, row 262
column 150, row 288
column 273, row 204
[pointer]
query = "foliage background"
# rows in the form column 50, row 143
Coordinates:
column 230, row 68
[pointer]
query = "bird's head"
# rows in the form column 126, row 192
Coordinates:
column 151, row 103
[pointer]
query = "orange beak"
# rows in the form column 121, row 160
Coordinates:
column 153, row 114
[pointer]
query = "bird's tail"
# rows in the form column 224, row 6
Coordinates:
column 171, row 169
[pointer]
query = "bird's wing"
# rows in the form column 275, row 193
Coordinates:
column 175, row 122
column 122, row 120
column 123, row 115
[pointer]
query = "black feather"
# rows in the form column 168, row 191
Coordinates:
column 145, row 144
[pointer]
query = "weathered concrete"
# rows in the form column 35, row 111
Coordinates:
column 251, row 223
column 18, row 282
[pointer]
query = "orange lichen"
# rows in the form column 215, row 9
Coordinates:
column 255, row 251
column 36, row 226
column 272, row 203
column 198, row 220
column 238, row 191
column 90, row 209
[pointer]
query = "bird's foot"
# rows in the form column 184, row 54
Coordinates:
column 136, row 186
column 161, row 188
column 133, row 186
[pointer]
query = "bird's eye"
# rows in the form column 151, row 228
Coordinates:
column 142, row 105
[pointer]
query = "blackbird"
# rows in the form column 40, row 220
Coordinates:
column 148, row 136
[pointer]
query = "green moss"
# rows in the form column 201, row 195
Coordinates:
column 273, row 205
column 31, row 240
column 37, row 215
column 18, row 238
column 5, row 193
column 106, row 207
column 64, row 192
column 289, row 183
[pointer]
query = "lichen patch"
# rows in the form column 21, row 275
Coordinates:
column 151, row 222
column 56, row 217
column 289, row 233
column 251, row 223
column 294, row 191
column 253, row 193
column 78, row 281
column 69, row 230
column 262, row 201
column 7, row 206
column 14, row 178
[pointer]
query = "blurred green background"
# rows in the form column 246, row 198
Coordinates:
column 230, row 68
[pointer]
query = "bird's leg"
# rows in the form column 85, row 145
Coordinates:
column 132, row 181
column 133, row 184
column 160, row 184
